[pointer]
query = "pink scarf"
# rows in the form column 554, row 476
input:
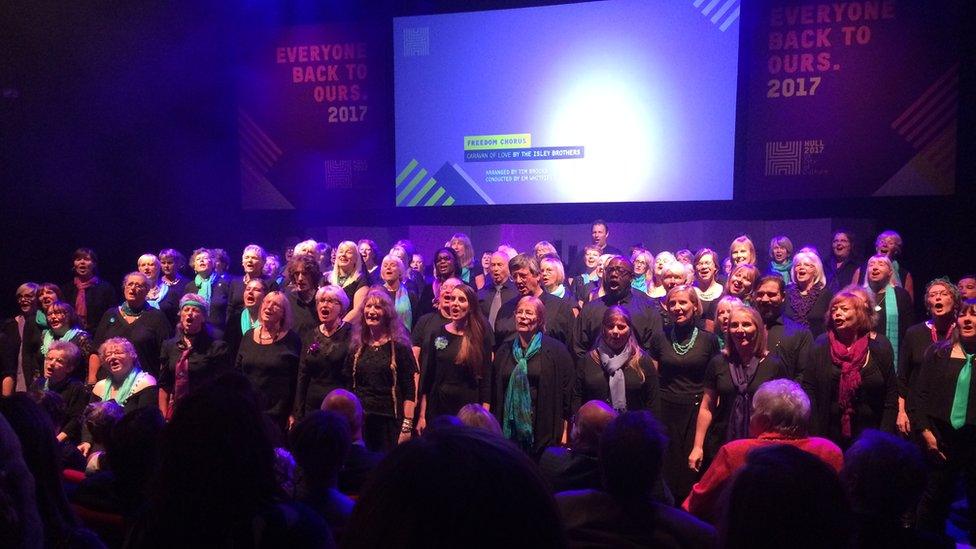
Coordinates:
column 850, row 360
column 81, row 309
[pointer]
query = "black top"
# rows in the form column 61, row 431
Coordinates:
column 320, row 370
column 425, row 329
column 906, row 312
column 559, row 320
column 449, row 386
column 146, row 333
column 273, row 370
column 917, row 340
column 76, row 397
column 578, row 264
column 839, row 277
column 875, row 402
column 358, row 467
column 304, row 316
column 581, row 290
column 643, row 312
column 791, row 342
column 817, row 315
column 550, row 373
column 85, row 343
column 683, row 376
column 208, row 358
column 569, row 469
column 381, row 387
column 931, row 399
column 487, row 294
column 145, row 394
column 98, row 299
column 719, row 379
column 30, row 355
column 593, row 383
column 353, row 287
column 219, row 296
column 170, row 304
column 235, row 299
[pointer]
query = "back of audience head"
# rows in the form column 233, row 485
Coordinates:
column 780, row 406
column 347, row 405
column 631, row 453
column 475, row 415
column 133, row 448
column 320, row 442
column 784, row 497
column 591, row 421
column 100, row 417
column 455, row 487
column 53, row 405
column 883, row 475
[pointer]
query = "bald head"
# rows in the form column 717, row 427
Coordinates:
column 591, row 419
column 346, row 405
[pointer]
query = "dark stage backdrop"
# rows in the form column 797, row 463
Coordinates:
column 119, row 130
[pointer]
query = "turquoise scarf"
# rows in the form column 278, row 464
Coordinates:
column 466, row 274
column 517, row 415
column 41, row 318
column 48, row 338
column 247, row 323
column 783, row 269
column 891, row 320
column 587, row 278
column 124, row 391
column 560, row 291
column 960, row 401
column 895, row 273
column 205, row 285
column 639, row 283
column 163, row 290
column 402, row 305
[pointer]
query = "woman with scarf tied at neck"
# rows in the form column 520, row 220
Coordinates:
column 733, row 377
column 191, row 358
column 532, row 393
column 780, row 254
column 943, row 411
column 135, row 320
column 90, row 295
column 616, row 370
column 63, row 325
column 461, row 244
column 126, row 382
column 392, row 273
column 212, row 287
column 47, row 294
column 892, row 303
column 807, row 297
column 642, row 260
column 554, row 280
column 349, row 273
column 851, row 375
column 683, row 352
column 706, row 286
column 942, row 301
column 159, row 296
column 889, row 244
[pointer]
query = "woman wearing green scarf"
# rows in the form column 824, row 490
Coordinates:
column 642, row 260
column 554, row 278
column 64, row 325
column 212, row 287
column 943, row 411
column 780, row 257
column 126, row 383
column 532, row 394
column 893, row 304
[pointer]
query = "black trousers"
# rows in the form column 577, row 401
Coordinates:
column 959, row 448
column 680, row 420
column 380, row 433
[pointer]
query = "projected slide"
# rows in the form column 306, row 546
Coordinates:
column 616, row 101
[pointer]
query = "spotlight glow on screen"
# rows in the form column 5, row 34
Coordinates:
column 616, row 101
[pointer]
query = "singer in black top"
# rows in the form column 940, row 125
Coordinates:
column 213, row 287
column 135, row 320
column 324, row 351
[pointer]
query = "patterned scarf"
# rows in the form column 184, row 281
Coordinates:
column 157, row 294
column 783, row 269
column 802, row 304
column 81, row 308
column 517, row 415
column 742, row 375
column 48, row 338
column 850, row 362
column 639, row 283
column 403, row 307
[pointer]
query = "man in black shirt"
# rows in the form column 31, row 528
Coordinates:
column 617, row 291
column 785, row 337
column 600, row 232
column 527, row 274
column 499, row 290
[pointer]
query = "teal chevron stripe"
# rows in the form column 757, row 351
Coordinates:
column 410, row 186
column 406, row 171
column 423, row 191
column 433, row 199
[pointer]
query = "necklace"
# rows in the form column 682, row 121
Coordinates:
column 682, row 349
column 265, row 335
column 128, row 311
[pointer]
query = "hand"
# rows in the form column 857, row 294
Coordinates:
column 404, row 437
column 695, row 459
column 84, row 448
column 903, row 424
column 291, row 422
column 932, row 447
column 421, row 425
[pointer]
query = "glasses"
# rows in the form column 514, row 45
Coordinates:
column 136, row 285
column 618, row 270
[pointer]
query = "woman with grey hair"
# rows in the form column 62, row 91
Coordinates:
column 807, row 296
column 252, row 260
column 780, row 415
column 138, row 322
column 893, row 303
column 324, row 350
column 211, row 286
column 126, row 383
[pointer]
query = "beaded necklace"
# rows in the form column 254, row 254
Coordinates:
column 682, row 349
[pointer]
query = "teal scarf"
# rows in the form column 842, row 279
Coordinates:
column 41, row 318
column 891, row 320
column 205, row 285
column 124, row 391
column 560, row 291
column 402, row 305
column 163, row 290
column 247, row 323
column 466, row 274
column 587, row 278
column 517, row 415
column 960, row 401
column 639, row 283
column 48, row 338
column 783, row 269
column 895, row 273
